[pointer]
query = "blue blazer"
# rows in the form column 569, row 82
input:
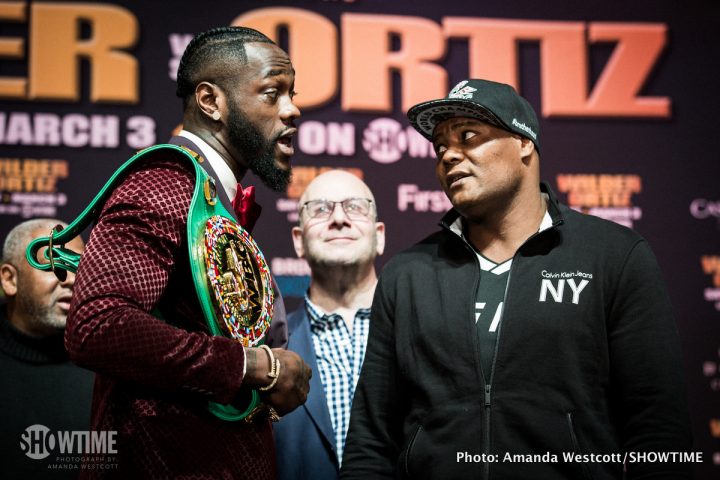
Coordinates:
column 304, row 439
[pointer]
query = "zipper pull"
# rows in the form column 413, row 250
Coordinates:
column 487, row 395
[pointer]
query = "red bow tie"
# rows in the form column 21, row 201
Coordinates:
column 246, row 209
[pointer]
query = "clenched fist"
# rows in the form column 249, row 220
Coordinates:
column 293, row 383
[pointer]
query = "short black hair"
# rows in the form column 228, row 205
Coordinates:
column 17, row 239
column 211, row 52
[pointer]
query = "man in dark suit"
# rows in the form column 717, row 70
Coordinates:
column 155, row 377
column 339, row 236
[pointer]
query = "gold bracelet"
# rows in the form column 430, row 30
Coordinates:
column 272, row 413
column 274, row 372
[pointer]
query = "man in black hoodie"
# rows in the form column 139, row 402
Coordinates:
column 522, row 340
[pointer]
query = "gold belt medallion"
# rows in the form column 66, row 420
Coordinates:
column 240, row 280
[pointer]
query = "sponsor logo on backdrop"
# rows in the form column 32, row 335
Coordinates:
column 72, row 450
column 603, row 195
column 292, row 275
column 28, row 186
column 711, row 266
column 703, row 209
column 410, row 197
column 290, row 266
column 75, row 130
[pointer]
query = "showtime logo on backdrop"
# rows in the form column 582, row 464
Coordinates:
column 385, row 140
column 603, row 195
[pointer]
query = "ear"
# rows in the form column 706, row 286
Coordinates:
column 210, row 99
column 526, row 147
column 379, row 237
column 298, row 242
column 8, row 279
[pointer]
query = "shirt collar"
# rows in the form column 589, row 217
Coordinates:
column 319, row 318
column 546, row 223
column 225, row 175
column 457, row 226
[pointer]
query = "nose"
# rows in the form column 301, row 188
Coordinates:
column 288, row 110
column 69, row 281
column 338, row 215
column 451, row 155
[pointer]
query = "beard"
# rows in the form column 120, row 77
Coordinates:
column 258, row 151
column 44, row 317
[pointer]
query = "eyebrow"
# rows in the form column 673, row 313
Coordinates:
column 464, row 124
column 471, row 122
column 277, row 73
column 284, row 68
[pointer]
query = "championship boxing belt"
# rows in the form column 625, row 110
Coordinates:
column 231, row 276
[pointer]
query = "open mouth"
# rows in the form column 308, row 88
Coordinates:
column 285, row 142
column 454, row 178
column 64, row 303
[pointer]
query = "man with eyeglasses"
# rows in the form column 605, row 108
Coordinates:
column 339, row 236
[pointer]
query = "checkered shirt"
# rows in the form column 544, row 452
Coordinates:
column 339, row 354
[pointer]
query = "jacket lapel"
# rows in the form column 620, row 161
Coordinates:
column 316, row 405
column 227, row 202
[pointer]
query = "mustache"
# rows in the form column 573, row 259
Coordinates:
column 281, row 133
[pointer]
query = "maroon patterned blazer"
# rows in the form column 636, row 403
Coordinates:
column 155, row 377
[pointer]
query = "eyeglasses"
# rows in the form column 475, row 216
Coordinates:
column 354, row 208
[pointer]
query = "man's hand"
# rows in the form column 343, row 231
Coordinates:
column 293, row 384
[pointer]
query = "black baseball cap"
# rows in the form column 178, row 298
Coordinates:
column 495, row 103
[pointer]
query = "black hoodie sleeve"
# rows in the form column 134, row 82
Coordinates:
column 373, row 441
column 646, row 369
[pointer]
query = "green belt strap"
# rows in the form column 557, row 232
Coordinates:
column 203, row 206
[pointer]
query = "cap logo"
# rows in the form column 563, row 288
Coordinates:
column 524, row 128
column 461, row 91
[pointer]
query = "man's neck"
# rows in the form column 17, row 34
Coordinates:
column 25, row 324
column 499, row 236
column 343, row 290
column 220, row 144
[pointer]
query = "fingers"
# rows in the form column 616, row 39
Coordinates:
column 293, row 385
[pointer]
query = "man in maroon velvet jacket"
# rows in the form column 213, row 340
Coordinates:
column 155, row 377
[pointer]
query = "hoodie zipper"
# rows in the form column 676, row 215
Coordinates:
column 489, row 380
column 487, row 404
